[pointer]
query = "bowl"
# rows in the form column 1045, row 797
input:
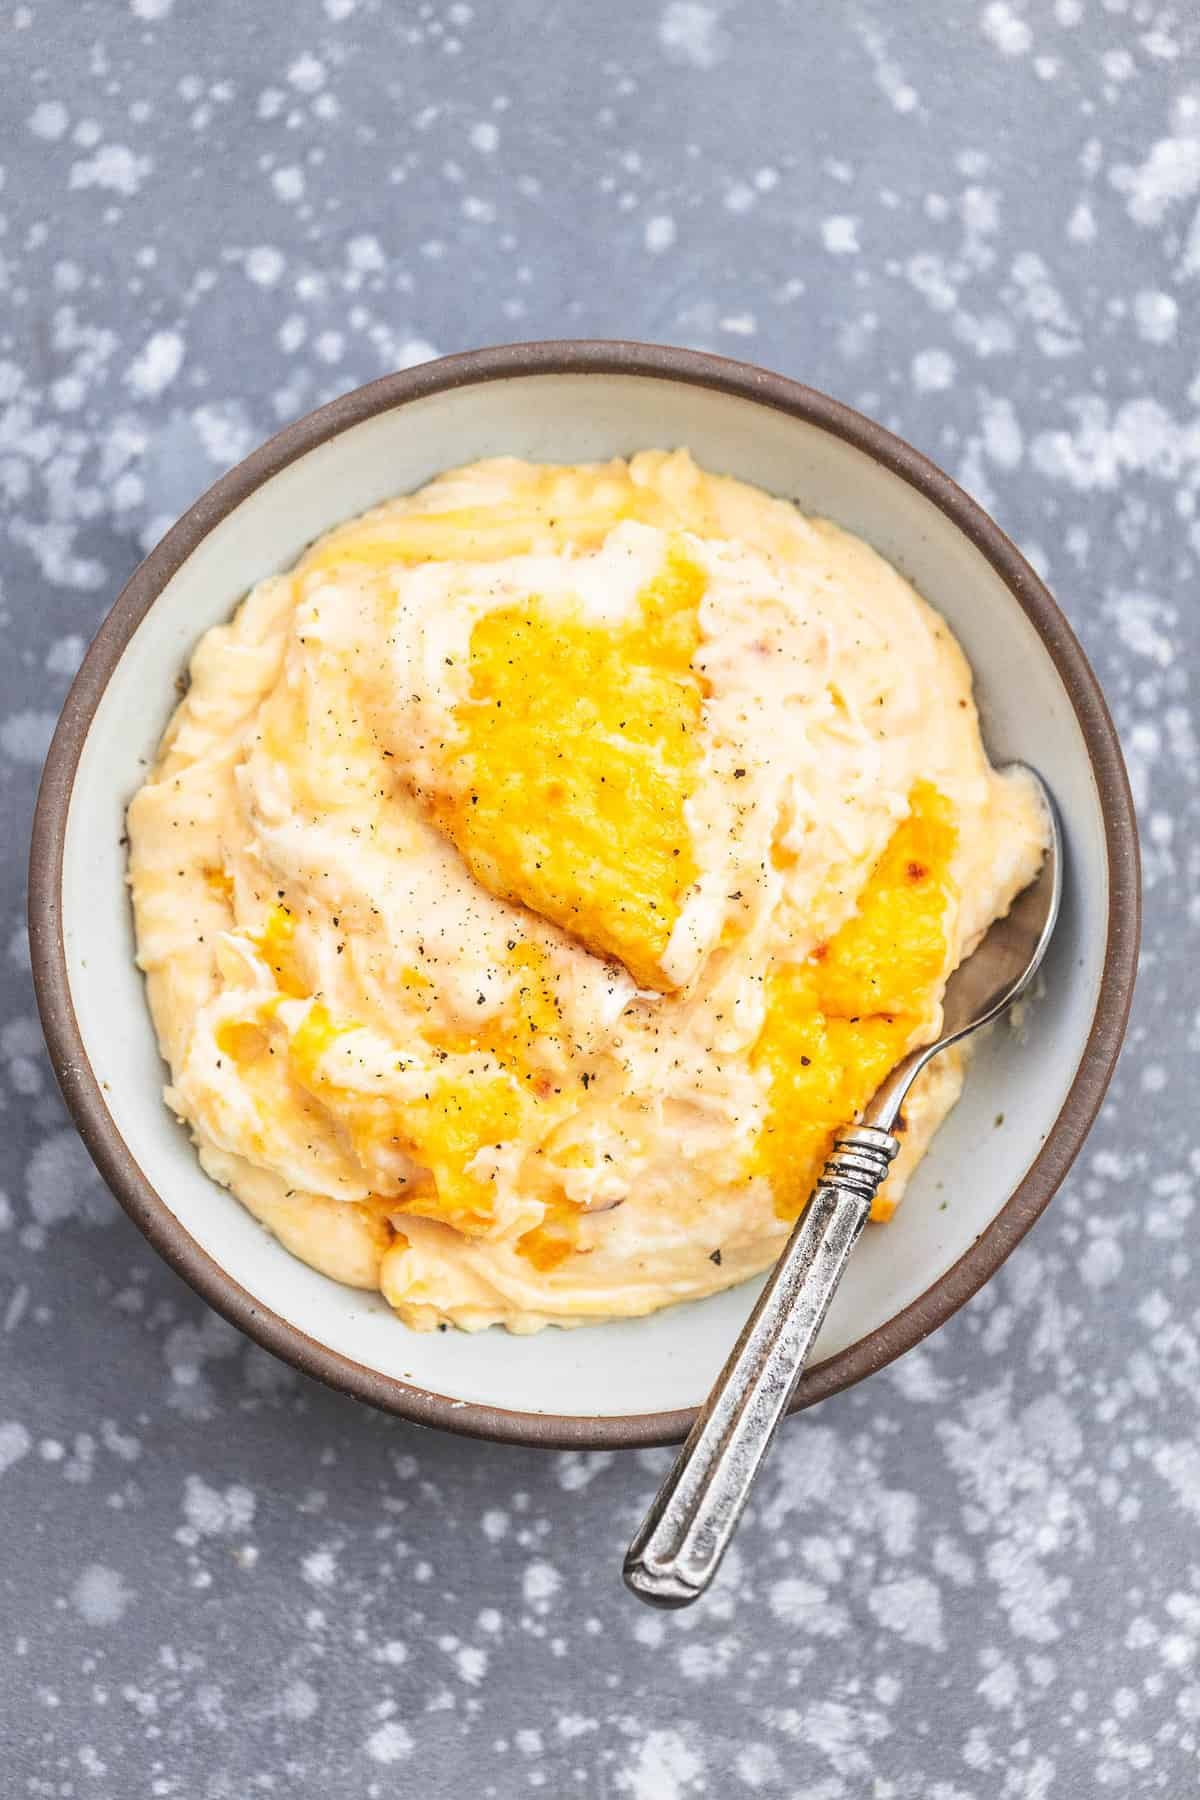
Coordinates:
column 984, row 1181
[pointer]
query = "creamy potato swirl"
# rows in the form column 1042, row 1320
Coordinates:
column 532, row 879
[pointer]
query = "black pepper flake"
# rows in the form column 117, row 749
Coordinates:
column 739, row 774
column 715, row 1258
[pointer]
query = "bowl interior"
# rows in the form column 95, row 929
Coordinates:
column 1019, row 1077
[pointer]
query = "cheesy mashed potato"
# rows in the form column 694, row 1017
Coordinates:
column 533, row 879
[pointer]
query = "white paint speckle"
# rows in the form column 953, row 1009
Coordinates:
column 306, row 74
column 15, row 1443
column 211, row 1512
column 665, row 1766
column 660, row 233
column 390, row 1743
column 1099, row 446
column 288, row 184
column 1003, row 440
column 540, row 1583
column 156, row 365
column 1170, row 173
column 299, row 1701
column 1100, row 1262
column 577, row 1469
column 291, row 334
column 809, row 1607
column 411, row 351
column 100, row 1596
column 839, row 234
column 25, row 736
column 61, row 1183
column 1179, row 1465
column 758, row 1768
column 471, row 1663
column 1156, row 316
column 49, row 120
column 911, row 1607
column 320, row 1568
column 889, row 76
column 1081, row 226
column 65, row 654
column 933, row 371
column 690, row 32
column 264, row 265
column 115, row 167
column 21, row 1050
column 365, row 254
column 1003, row 27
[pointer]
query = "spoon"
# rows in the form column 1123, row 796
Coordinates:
column 683, row 1537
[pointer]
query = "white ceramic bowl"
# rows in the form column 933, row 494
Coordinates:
column 981, row 1185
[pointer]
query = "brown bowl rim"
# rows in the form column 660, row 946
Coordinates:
column 81, row 1089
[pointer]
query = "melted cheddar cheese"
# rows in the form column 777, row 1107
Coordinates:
column 580, row 749
column 840, row 1021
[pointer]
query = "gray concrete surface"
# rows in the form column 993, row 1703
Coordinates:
column 975, row 1578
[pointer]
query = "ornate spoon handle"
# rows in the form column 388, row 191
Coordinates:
column 687, row 1530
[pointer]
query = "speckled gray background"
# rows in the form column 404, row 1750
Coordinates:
column 977, row 1578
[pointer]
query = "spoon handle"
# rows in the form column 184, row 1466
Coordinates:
column 683, row 1537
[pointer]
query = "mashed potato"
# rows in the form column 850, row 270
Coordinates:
column 533, row 879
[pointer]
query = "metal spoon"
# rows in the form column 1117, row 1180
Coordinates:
column 683, row 1537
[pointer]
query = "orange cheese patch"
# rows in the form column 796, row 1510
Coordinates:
column 478, row 1091
column 551, row 1242
column 276, row 944
column 839, row 1022
column 442, row 1126
column 581, row 749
